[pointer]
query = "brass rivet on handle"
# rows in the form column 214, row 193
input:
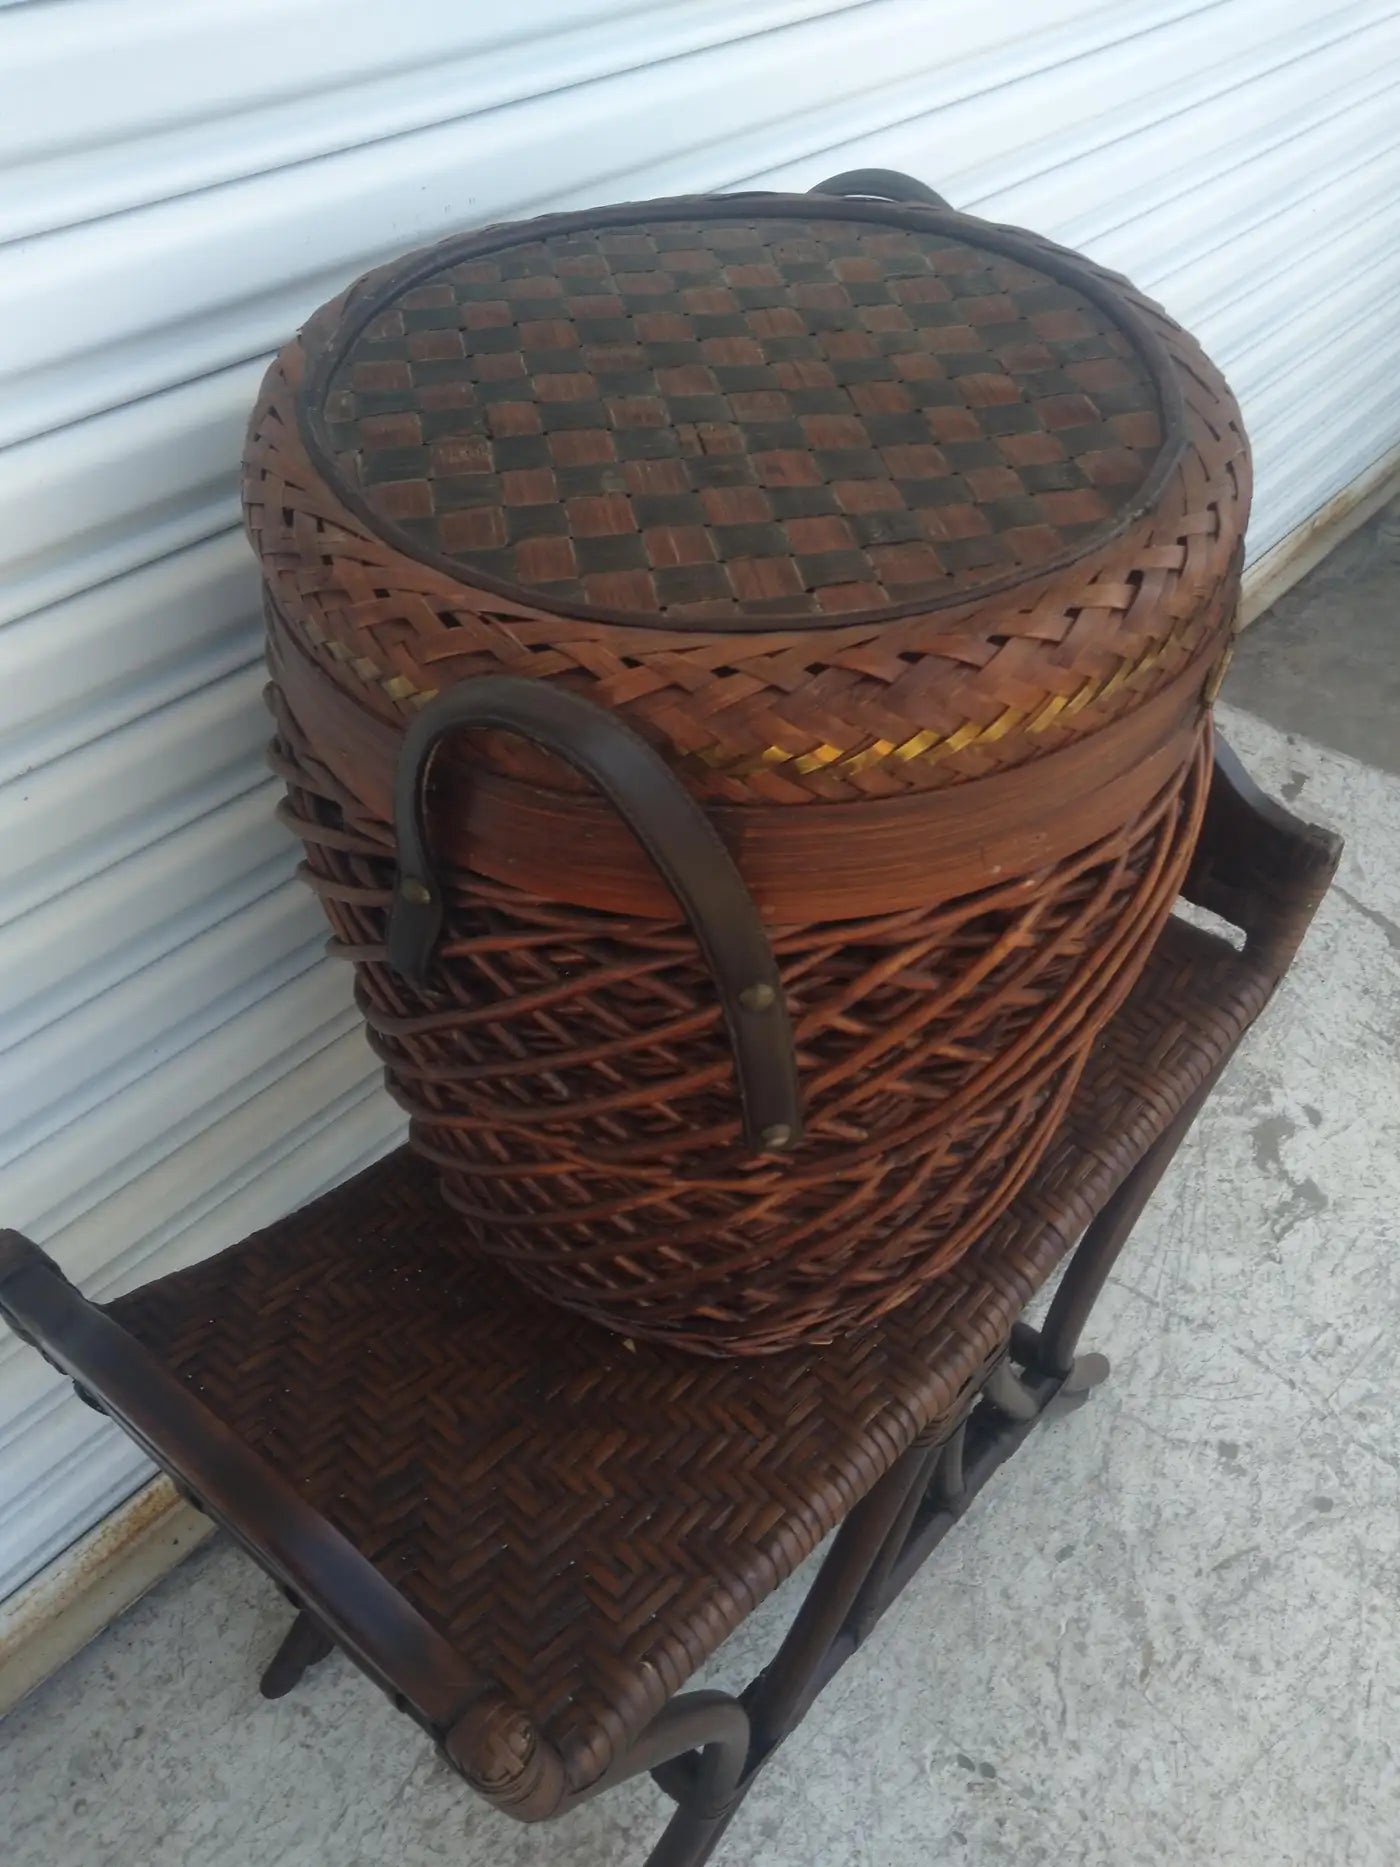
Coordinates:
column 417, row 893
column 759, row 997
column 777, row 1136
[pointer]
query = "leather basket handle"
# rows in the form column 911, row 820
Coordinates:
column 671, row 828
column 881, row 185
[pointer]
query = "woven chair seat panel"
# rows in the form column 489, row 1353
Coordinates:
column 893, row 615
column 584, row 1518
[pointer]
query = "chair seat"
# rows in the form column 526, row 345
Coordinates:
column 582, row 1518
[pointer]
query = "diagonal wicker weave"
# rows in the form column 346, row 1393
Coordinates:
column 911, row 544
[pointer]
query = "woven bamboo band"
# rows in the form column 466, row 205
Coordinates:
column 825, row 862
column 836, row 705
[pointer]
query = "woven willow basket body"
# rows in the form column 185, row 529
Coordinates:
column 911, row 546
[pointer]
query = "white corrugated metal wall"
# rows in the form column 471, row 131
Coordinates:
column 179, row 186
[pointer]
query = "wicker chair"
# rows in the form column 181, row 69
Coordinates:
column 530, row 1532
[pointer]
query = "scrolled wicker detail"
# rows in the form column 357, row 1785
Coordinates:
column 498, row 1750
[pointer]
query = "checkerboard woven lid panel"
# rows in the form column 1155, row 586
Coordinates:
column 761, row 417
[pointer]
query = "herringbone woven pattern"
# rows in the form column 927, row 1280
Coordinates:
column 568, row 1071
column 587, row 1521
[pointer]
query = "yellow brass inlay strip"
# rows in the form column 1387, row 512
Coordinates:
column 964, row 736
column 917, row 745
column 1047, row 714
column 815, row 760
column 872, row 755
column 1003, row 724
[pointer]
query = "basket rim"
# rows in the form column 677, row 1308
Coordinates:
column 329, row 343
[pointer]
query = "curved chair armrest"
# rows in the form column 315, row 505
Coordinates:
column 1258, row 866
column 489, row 1739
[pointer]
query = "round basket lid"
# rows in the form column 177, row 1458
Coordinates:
column 742, row 409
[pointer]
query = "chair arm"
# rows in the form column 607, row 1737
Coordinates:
column 489, row 1739
column 1258, row 866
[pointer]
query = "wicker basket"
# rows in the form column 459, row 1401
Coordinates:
column 742, row 669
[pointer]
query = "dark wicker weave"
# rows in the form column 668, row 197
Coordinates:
column 862, row 417
column 911, row 544
column 590, row 1576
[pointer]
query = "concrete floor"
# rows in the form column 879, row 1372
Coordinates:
column 1171, row 1631
column 1327, row 665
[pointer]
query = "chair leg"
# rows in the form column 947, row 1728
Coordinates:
column 689, row 1838
column 1088, row 1270
column 303, row 1645
column 707, row 1782
column 1086, row 1373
